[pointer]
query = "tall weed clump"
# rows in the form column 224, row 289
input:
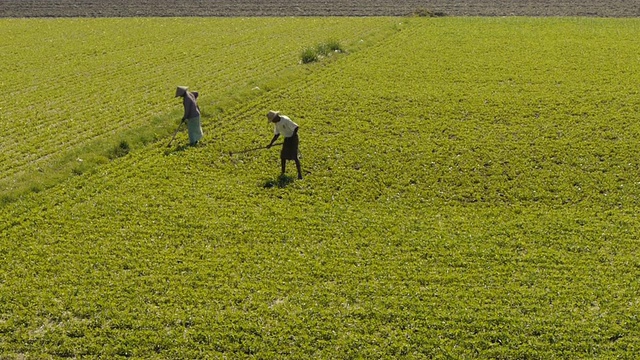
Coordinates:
column 120, row 150
column 325, row 49
column 308, row 55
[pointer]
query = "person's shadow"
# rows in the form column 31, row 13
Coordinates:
column 281, row 181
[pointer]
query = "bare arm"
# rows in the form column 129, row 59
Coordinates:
column 275, row 137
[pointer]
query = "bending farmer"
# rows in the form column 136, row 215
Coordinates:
column 286, row 127
column 191, row 113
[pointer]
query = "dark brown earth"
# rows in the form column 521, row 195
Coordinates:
column 142, row 8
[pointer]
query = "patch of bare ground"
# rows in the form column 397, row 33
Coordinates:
column 246, row 8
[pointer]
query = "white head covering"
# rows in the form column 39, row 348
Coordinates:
column 272, row 115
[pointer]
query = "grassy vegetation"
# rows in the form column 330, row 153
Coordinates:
column 313, row 54
column 75, row 88
column 471, row 192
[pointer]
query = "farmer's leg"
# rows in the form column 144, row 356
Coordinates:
column 283, row 163
column 299, row 168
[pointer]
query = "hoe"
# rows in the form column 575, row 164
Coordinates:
column 253, row 149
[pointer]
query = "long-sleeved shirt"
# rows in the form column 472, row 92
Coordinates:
column 191, row 108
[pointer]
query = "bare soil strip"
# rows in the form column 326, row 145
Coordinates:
column 247, row 8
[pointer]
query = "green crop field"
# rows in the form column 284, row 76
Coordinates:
column 73, row 89
column 471, row 189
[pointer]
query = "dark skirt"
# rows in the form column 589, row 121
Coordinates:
column 290, row 148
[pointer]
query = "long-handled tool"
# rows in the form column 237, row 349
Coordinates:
column 253, row 149
column 175, row 133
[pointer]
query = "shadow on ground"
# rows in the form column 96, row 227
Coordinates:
column 281, row 181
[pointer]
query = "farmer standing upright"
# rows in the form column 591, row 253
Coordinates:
column 191, row 113
column 284, row 126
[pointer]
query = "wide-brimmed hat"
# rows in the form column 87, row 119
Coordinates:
column 272, row 115
column 181, row 90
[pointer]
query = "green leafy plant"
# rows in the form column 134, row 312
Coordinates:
column 309, row 55
column 324, row 49
column 120, row 150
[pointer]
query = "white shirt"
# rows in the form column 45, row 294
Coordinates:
column 285, row 127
